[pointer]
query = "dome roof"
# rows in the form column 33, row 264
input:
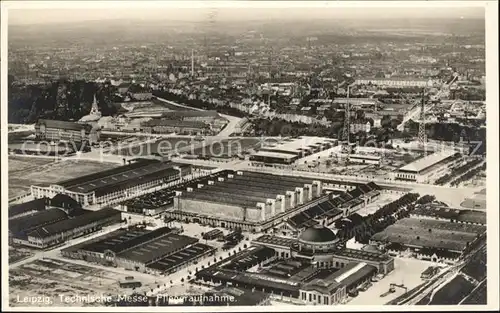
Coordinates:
column 318, row 233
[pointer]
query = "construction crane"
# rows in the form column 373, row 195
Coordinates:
column 346, row 147
column 422, row 137
column 416, row 107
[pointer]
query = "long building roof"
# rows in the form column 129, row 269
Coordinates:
column 274, row 177
column 70, row 224
column 175, row 123
column 102, row 180
column 224, row 196
column 470, row 216
column 157, row 249
column 276, row 155
column 294, row 146
column 254, row 186
column 64, row 125
column 247, row 189
column 33, row 205
column 216, row 199
column 32, row 221
column 427, row 161
column 262, row 193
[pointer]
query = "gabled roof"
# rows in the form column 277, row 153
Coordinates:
column 34, row 205
column 29, row 222
column 64, row 125
column 69, row 224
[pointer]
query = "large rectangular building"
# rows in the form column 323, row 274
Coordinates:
column 289, row 150
column 364, row 159
column 53, row 130
column 114, row 184
column 245, row 199
column 425, row 168
column 61, row 228
column 159, row 251
column 392, row 82
column 334, row 288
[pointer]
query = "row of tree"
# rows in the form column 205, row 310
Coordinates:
column 458, row 171
column 470, row 174
column 454, row 132
column 280, row 127
column 363, row 229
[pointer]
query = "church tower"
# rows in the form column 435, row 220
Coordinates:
column 95, row 108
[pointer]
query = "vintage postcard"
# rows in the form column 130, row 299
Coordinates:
column 249, row 155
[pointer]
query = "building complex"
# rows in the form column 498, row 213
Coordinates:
column 114, row 184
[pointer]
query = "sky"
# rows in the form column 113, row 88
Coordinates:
column 83, row 13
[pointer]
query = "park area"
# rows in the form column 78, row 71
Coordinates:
column 26, row 171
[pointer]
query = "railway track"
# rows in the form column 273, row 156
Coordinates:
column 417, row 294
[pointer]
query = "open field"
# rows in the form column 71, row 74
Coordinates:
column 51, row 278
column 17, row 253
column 24, row 171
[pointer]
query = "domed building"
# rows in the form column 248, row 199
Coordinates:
column 319, row 246
column 317, row 239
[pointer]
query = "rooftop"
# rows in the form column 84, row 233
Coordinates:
column 70, row 224
column 363, row 255
column 275, row 240
column 42, row 218
column 63, row 125
column 427, row 161
column 364, row 156
column 179, row 257
column 100, row 180
column 33, row 205
column 467, row 216
column 317, row 234
column 276, row 155
column 157, row 249
column 175, row 123
column 294, row 145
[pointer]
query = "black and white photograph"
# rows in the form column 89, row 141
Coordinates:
column 265, row 155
